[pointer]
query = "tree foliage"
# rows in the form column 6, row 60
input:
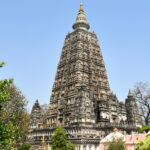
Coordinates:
column 4, row 85
column 14, row 111
column 117, row 144
column 59, row 140
column 13, row 119
column 142, row 95
column 144, row 145
column 70, row 146
column 7, row 131
column 2, row 64
column 24, row 147
column 7, row 135
column 144, row 129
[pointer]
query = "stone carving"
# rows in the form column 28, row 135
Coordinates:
column 81, row 98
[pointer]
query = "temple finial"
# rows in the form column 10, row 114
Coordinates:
column 81, row 10
column 129, row 93
column 81, row 21
column 37, row 101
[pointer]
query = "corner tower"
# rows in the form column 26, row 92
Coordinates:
column 36, row 115
column 133, row 116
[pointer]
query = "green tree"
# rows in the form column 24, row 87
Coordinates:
column 4, row 85
column 144, row 145
column 59, row 140
column 14, row 119
column 7, row 135
column 7, row 131
column 24, row 147
column 117, row 144
column 14, row 111
column 144, row 129
column 70, row 146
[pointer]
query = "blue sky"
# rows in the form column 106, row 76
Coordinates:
column 32, row 34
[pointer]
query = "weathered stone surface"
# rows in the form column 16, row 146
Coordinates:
column 81, row 98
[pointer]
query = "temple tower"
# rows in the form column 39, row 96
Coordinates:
column 81, row 98
column 81, row 81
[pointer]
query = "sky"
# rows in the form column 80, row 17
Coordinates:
column 32, row 34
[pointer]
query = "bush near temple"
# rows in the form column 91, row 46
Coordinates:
column 59, row 140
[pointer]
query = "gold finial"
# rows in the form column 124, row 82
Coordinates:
column 81, row 10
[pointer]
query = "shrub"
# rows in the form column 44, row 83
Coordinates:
column 59, row 140
column 144, row 128
column 117, row 144
column 70, row 146
column 24, row 147
column 144, row 145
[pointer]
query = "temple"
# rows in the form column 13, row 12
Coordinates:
column 81, row 98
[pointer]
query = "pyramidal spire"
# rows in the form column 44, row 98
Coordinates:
column 36, row 104
column 81, row 21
